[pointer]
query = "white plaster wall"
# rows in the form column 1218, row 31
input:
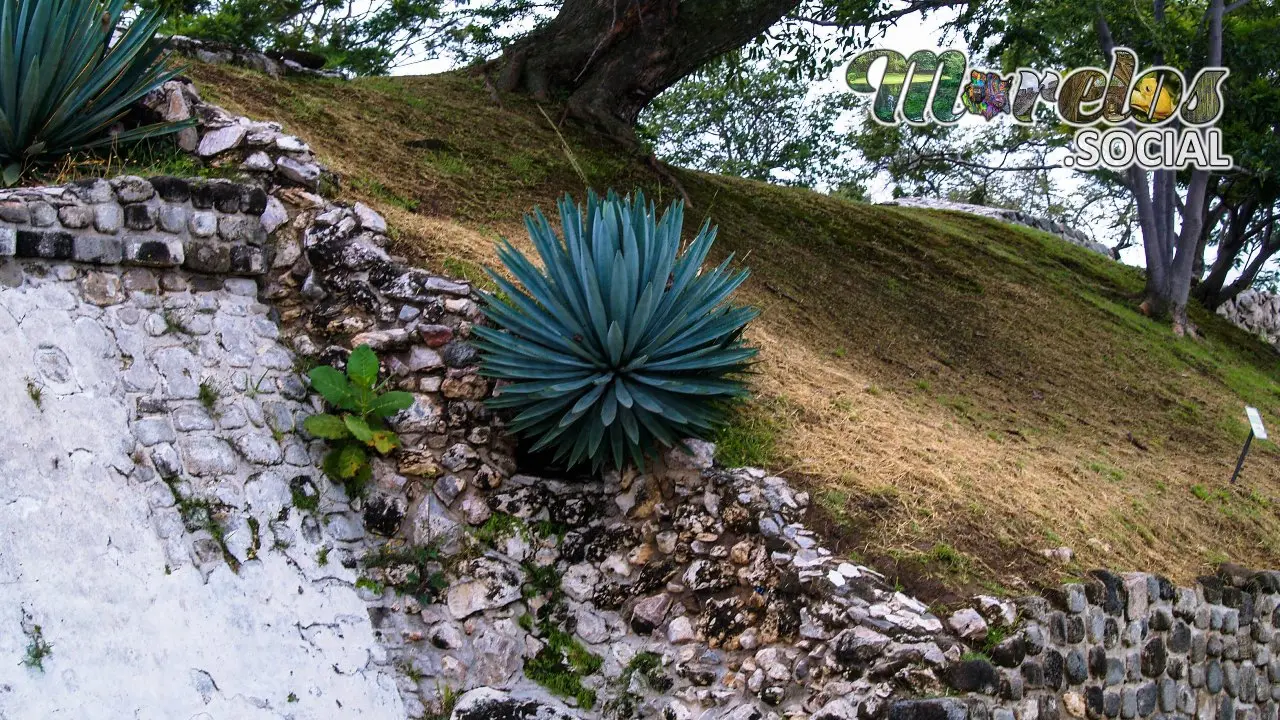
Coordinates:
column 137, row 629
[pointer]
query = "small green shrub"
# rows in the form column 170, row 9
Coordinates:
column 623, row 342
column 561, row 665
column 63, row 82
column 37, row 649
column 360, row 423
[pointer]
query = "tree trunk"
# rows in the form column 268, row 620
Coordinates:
column 608, row 59
column 1267, row 247
column 1230, row 243
column 1170, row 256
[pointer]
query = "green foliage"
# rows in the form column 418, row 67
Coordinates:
column 423, row 580
column 622, row 342
column 63, row 82
column 37, row 649
column 754, row 121
column 36, row 393
column 498, row 528
column 362, row 38
column 648, row 666
column 209, row 394
column 561, row 664
column 751, row 435
column 360, row 423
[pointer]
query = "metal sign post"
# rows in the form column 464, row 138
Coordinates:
column 1255, row 430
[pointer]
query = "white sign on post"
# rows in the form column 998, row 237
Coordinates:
column 1255, row 421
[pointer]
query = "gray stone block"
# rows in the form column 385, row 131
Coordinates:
column 92, row 191
column 203, row 223
column 133, row 189
column 75, row 217
column 241, row 229
column 153, row 431
column 8, row 241
column 139, row 217
column 1168, row 695
column 247, row 260
column 98, row 249
column 45, row 244
column 14, row 211
column 108, row 218
column 42, row 214
column 172, row 218
column 153, row 251
column 207, row 456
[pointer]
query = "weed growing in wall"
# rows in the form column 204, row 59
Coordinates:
column 359, row 425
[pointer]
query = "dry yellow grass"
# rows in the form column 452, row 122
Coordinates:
column 956, row 394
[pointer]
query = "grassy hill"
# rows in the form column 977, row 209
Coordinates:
column 957, row 394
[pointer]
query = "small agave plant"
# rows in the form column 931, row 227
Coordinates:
column 621, row 342
column 64, row 82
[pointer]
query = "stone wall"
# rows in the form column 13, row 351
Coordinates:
column 1255, row 311
column 274, row 64
column 202, row 226
column 1127, row 646
column 706, row 578
column 152, row 480
column 1053, row 227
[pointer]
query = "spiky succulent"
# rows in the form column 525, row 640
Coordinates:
column 621, row 342
column 63, row 82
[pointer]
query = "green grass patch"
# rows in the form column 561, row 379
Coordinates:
column 561, row 665
column 751, row 436
column 382, row 192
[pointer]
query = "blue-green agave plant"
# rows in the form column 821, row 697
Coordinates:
column 63, row 82
column 621, row 342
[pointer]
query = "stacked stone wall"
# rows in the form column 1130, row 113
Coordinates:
column 1130, row 646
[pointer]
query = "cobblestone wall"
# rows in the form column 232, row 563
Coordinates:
column 697, row 590
column 1255, row 311
column 204, row 226
column 1129, row 646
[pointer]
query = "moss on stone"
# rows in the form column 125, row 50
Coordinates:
column 561, row 665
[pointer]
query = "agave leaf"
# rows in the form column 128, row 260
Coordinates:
column 584, row 403
column 63, row 78
column 628, row 422
column 621, row 392
column 615, row 344
column 619, row 342
column 707, row 358
column 536, row 328
column 506, row 342
column 709, row 329
column 608, row 407
column 620, row 298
